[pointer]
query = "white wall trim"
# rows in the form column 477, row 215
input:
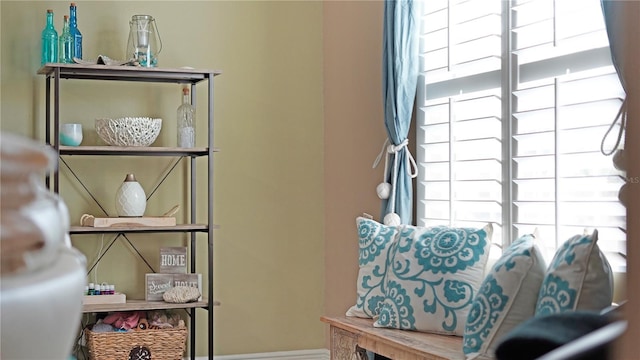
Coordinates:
column 317, row 354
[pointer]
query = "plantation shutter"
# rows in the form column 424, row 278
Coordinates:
column 515, row 139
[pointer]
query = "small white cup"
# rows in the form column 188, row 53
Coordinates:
column 70, row 134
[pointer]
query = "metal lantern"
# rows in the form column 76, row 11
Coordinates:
column 144, row 43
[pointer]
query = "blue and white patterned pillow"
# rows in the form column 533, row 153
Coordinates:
column 432, row 277
column 578, row 278
column 506, row 298
column 374, row 242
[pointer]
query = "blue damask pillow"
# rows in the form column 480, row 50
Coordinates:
column 374, row 242
column 578, row 278
column 432, row 277
column 506, row 298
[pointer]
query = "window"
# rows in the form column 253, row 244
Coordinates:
column 514, row 100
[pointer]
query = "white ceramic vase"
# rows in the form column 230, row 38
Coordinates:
column 131, row 200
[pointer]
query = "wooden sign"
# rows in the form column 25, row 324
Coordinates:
column 128, row 221
column 190, row 280
column 157, row 284
column 173, row 260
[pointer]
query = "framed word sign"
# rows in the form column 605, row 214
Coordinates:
column 173, row 260
column 156, row 285
column 190, row 280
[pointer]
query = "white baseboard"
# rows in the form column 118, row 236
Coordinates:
column 318, row 354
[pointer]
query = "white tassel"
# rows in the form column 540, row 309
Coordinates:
column 619, row 160
column 383, row 190
column 392, row 219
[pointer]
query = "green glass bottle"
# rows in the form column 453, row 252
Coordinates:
column 66, row 43
column 49, row 52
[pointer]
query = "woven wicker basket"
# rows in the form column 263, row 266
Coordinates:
column 160, row 344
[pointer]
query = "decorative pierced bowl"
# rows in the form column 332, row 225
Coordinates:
column 129, row 131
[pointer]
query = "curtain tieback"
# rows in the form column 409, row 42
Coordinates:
column 385, row 189
column 412, row 170
column 622, row 117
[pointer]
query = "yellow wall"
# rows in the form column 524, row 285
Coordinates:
column 269, row 252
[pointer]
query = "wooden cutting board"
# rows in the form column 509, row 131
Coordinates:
column 129, row 221
column 117, row 298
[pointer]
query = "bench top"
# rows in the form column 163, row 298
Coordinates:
column 423, row 345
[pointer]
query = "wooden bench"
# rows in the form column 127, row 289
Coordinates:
column 351, row 337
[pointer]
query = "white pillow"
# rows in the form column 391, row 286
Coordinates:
column 578, row 278
column 374, row 242
column 432, row 278
column 506, row 298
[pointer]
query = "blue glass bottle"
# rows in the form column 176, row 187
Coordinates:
column 75, row 32
column 49, row 52
column 66, row 43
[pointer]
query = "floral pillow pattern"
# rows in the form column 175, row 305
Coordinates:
column 432, row 275
column 374, row 240
column 579, row 278
column 506, row 298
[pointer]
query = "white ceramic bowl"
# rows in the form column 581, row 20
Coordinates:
column 129, row 131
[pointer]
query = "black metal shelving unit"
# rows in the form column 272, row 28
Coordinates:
column 55, row 72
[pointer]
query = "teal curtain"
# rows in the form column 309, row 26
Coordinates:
column 612, row 9
column 400, row 78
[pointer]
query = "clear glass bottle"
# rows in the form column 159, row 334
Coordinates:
column 49, row 53
column 186, row 121
column 66, row 43
column 75, row 32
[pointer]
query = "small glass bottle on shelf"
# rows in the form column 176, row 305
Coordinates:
column 186, row 121
column 66, row 43
column 49, row 51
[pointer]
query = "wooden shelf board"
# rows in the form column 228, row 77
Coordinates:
column 127, row 73
column 135, row 150
column 133, row 229
column 131, row 305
